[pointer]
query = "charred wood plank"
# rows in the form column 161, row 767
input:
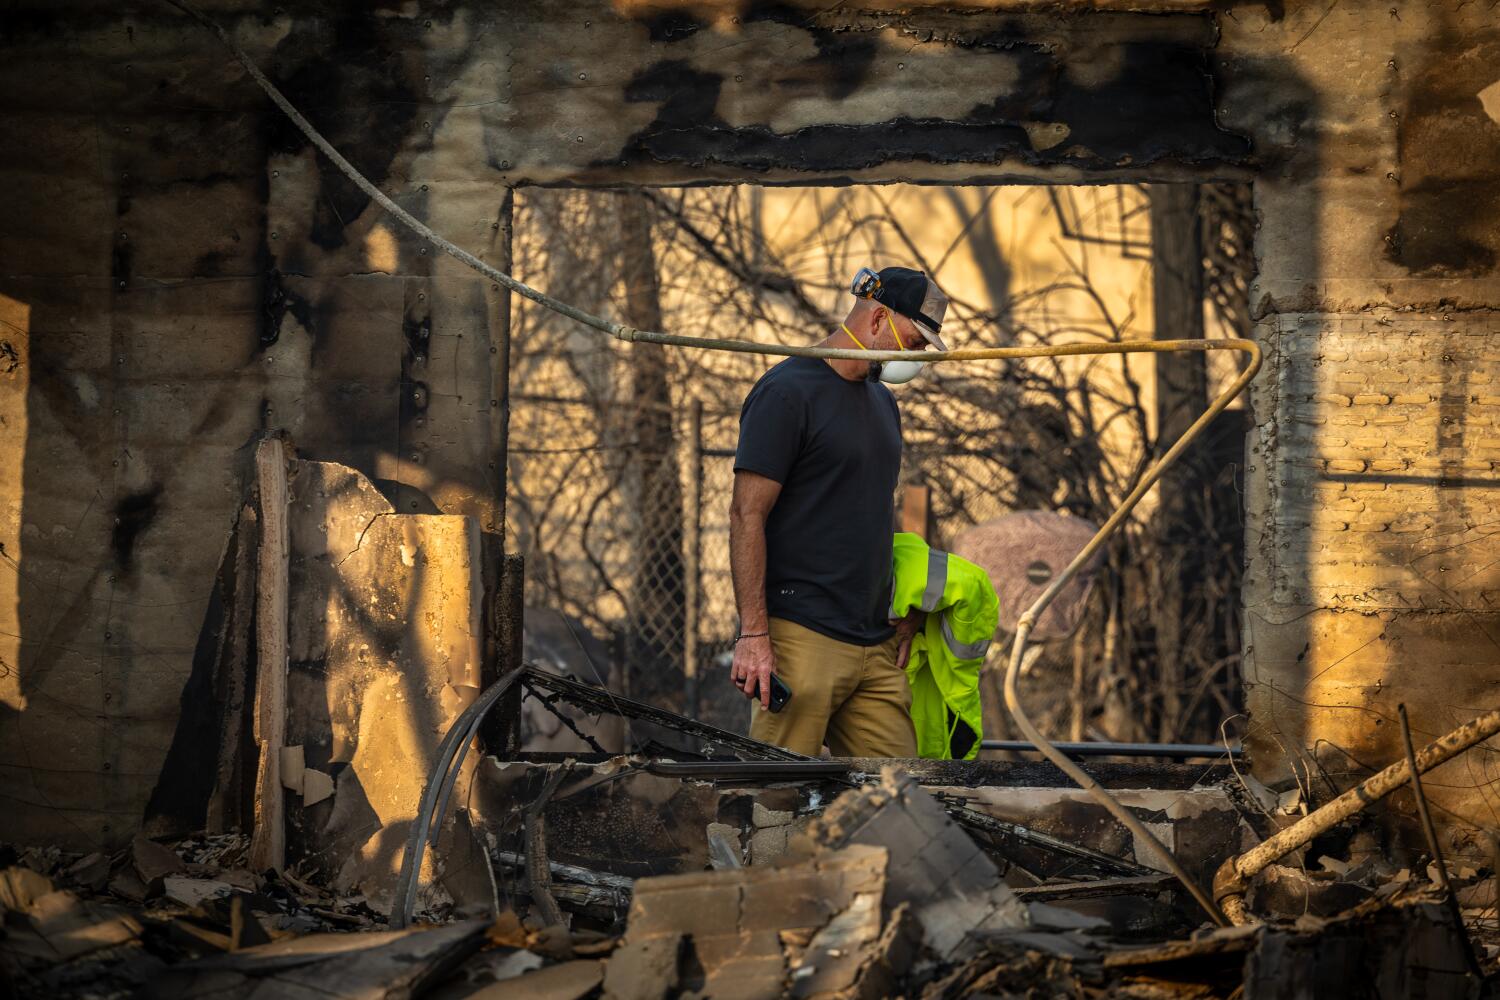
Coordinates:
column 232, row 782
column 268, row 841
column 538, row 871
column 1144, row 885
column 1013, row 833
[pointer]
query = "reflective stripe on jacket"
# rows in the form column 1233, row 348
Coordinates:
column 946, row 654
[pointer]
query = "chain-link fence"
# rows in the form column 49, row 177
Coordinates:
column 716, row 622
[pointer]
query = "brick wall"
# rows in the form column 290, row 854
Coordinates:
column 1387, row 468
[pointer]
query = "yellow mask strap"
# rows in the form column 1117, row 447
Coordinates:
column 888, row 319
column 891, row 321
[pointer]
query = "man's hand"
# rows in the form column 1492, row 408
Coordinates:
column 906, row 630
column 754, row 663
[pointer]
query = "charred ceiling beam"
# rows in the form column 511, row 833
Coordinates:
column 1093, row 91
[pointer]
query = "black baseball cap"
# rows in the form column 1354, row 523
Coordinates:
column 910, row 293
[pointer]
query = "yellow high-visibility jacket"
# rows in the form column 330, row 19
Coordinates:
column 946, row 654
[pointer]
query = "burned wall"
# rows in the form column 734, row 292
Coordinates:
column 179, row 272
column 179, row 276
column 1371, row 474
column 1370, row 477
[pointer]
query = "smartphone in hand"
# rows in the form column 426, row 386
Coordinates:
column 780, row 693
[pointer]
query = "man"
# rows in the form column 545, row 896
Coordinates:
column 810, row 532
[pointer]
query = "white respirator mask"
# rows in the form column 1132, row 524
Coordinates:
column 900, row 372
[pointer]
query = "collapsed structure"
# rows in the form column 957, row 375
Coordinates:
column 183, row 277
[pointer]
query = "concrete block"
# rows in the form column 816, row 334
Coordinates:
column 768, row 844
column 950, row 885
column 763, row 817
column 707, row 905
column 746, row 923
column 838, row 952
column 644, row 969
column 730, row 836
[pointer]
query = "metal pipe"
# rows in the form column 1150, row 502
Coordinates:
column 1100, row 749
column 692, row 535
column 1439, row 865
column 750, row 770
column 448, row 758
column 501, row 324
column 1029, row 618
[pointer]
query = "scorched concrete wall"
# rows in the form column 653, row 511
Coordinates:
column 1371, row 486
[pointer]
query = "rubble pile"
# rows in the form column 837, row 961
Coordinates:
column 879, row 893
column 105, row 925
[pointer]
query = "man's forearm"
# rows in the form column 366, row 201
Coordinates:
column 747, row 566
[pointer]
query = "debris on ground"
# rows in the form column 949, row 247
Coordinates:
column 100, row 925
column 747, row 932
column 952, row 888
column 703, row 864
column 882, row 890
column 378, row 964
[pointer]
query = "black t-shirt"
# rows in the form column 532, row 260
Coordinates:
column 835, row 448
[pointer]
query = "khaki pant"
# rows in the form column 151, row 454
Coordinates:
column 851, row 697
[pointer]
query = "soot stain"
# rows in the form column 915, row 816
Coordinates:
column 1435, row 235
column 278, row 301
column 134, row 514
column 843, row 61
column 780, row 13
column 122, row 255
column 672, row 26
column 1450, row 213
column 688, row 96
column 347, row 59
column 1159, row 106
column 211, row 264
column 416, row 330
